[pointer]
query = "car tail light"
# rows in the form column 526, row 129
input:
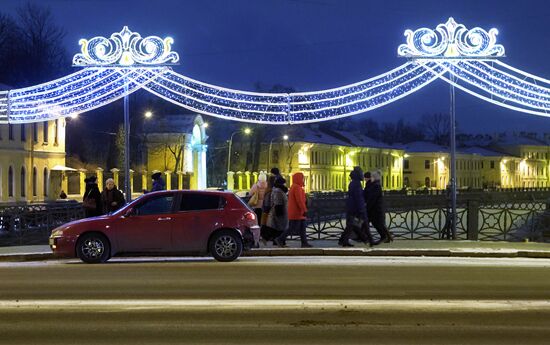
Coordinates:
column 250, row 216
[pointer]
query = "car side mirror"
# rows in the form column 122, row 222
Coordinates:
column 129, row 212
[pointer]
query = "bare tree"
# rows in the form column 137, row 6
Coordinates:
column 42, row 41
column 436, row 127
column 32, row 48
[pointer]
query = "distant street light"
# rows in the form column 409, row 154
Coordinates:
column 205, row 125
column 246, row 131
column 148, row 114
column 285, row 138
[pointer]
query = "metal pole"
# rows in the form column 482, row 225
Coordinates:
column 269, row 156
column 127, row 184
column 453, row 158
column 229, row 153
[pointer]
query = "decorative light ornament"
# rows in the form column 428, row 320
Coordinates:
column 117, row 66
column 451, row 40
column 125, row 48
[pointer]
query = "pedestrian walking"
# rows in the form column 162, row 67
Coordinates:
column 375, row 208
column 268, row 233
column 278, row 214
column 297, row 211
column 356, row 212
column 91, row 200
column 275, row 172
column 257, row 193
column 111, row 198
column 158, row 182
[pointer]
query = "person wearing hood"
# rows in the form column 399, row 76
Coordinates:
column 297, row 211
column 356, row 211
column 375, row 208
column 278, row 215
column 91, row 200
column 111, row 198
column 275, row 172
column 158, row 182
column 257, row 193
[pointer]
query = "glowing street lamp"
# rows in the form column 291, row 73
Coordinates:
column 285, row 138
column 246, row 131
column 148, row 114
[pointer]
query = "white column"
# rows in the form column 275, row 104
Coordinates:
column 202, row 167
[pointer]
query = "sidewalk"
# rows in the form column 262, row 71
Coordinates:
column 330, row 248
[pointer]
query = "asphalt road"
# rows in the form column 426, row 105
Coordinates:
column 299, row 300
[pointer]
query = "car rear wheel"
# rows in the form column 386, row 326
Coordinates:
column 226, row 246
column 93, row 248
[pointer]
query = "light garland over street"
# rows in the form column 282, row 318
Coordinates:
column 124, row 63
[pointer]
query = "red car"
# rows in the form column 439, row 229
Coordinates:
column 166, row 222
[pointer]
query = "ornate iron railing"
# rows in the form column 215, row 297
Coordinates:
column 33, row 223
column 498, row 215
column 504, row 215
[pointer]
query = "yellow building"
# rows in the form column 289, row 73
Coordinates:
column 327, row 157
column 176, row 146
column 513, row 163
column 427, row 165
column 498, row 170
column 533, row 168
column 32, row 157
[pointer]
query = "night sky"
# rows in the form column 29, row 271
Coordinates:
column 317, row 44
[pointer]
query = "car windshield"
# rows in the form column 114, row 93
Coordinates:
column 131, row 204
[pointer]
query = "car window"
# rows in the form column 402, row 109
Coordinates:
column 158, row 205
column 197, row 202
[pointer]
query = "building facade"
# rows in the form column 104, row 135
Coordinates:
column 326, row 158
column 32, row 160
column 176, row 146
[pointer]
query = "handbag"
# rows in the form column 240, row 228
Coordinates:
column 89, row 203
column 253, row 201
column 356, row 222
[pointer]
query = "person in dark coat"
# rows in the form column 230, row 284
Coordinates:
column 267, row 233
column 111, row 198
column 375, row 208
column 92, row 192
column 356, row 212
column 158, row 182
column 275, row 172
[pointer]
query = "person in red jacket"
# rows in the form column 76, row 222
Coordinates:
column 297, row 210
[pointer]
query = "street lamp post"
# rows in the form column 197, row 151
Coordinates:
column 285, row 137
column 246, row 131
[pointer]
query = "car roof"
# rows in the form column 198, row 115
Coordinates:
column 187, row 191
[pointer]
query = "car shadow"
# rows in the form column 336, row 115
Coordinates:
column 148, row 260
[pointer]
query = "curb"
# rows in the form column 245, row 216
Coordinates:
column 22, row 257
column 26, row 257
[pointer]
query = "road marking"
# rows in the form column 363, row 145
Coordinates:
column 251, row 304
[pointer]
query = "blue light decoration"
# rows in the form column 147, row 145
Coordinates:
column 117, row 66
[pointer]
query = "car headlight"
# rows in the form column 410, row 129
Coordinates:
column 57, row 233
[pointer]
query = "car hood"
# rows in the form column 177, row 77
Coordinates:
column 82, row 223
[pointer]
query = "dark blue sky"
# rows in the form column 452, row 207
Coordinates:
column 317, row 44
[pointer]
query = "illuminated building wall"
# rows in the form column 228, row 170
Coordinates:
column 27, row 155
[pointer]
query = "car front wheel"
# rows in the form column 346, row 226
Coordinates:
column 93, row 248
column 226, row 246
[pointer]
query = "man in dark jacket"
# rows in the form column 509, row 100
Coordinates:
column 158, row 182
column 92, row 198
column 356, row 212
column 375, row 208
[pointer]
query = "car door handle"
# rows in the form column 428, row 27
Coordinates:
column 164, row 218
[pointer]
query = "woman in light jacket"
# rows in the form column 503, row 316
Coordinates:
column 258, row 192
